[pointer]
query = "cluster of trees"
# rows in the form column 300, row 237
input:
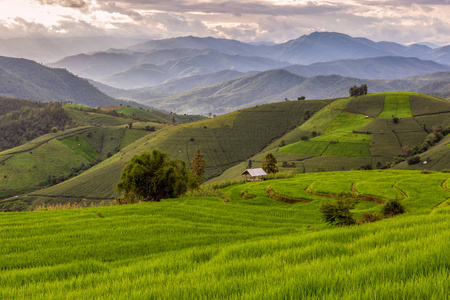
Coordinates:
column 152, row 176
column 358, row 91
column 22, row 121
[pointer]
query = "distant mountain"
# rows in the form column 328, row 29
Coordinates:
column 330, row 46
column 231, row 47
column 47, row 50
column 206, row 63
column 173, row 86
column 102, row 64
column 197, row 81
column 277, row 85
column 386, row 67
column 26, row 79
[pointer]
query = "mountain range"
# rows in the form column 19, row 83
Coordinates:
column 158, row 62
column 274, row 86
column 26, row 79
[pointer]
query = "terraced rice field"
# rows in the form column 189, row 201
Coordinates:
column 204, row 248
column 396, row 105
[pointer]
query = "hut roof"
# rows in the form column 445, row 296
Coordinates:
column 254, row 172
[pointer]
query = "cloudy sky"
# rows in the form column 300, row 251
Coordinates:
column 247, row 20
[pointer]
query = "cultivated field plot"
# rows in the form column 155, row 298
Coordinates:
column 370, row 105
column 396, row 105
column 337, row 140
column 31, row 169
column 191, row 248
column 142, row 114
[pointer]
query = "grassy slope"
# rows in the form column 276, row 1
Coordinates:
column 360, row 136
column 225, row 141
column 254, row 249
column 28, row 167
column 230, row 140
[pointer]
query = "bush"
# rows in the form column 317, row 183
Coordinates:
column 392, row 208
column 338, row 213
column 413, row 160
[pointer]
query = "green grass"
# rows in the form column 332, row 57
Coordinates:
column 337, row 138
column 28, row 170
column 142, row 114
column 97, row 119
column 193, row 248
column 79, row 145
column 396, row 105
column 131, row 136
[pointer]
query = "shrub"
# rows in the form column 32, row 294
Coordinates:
column 413, row 160
column 395, row 119
column 337, row 213
column 304, row 138
column 392, row 208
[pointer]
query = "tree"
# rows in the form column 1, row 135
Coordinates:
column 198, row 165
column 337, row 212
column 153, row 176
column 270, row 163
column 249, row 165
column 358, row 91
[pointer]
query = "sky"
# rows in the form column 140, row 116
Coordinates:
column 400, row 21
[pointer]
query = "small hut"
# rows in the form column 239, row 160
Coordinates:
column 255, row 174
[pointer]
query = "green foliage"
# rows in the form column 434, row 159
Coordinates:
column 153, row 176
column 358, row 91
column 22, row 121
column 270, row 164
column 414, row 160
column 337, row 213
column 392, row 208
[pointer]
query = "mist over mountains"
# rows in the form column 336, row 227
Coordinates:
column 158, row 62
column 203, row 75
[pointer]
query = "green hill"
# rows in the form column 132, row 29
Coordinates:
column 366, row 132
column 254, row 249
column 64, row 153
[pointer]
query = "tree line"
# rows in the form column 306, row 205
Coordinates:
column 23, row 120
column 358, row 91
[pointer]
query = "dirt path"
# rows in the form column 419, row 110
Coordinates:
column 40, row 146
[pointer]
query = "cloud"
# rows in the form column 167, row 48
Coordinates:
column 237, row 8
column 111, row 7
column 65, row 3
column 402, row 21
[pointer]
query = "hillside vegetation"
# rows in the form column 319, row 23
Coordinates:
column 255, row 248
column 22, row 121
column 57, row 152
column 367, row 132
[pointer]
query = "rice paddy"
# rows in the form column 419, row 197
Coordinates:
column 204, row 248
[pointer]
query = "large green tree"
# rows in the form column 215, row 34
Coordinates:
column 152, row 176
column 270, row 163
